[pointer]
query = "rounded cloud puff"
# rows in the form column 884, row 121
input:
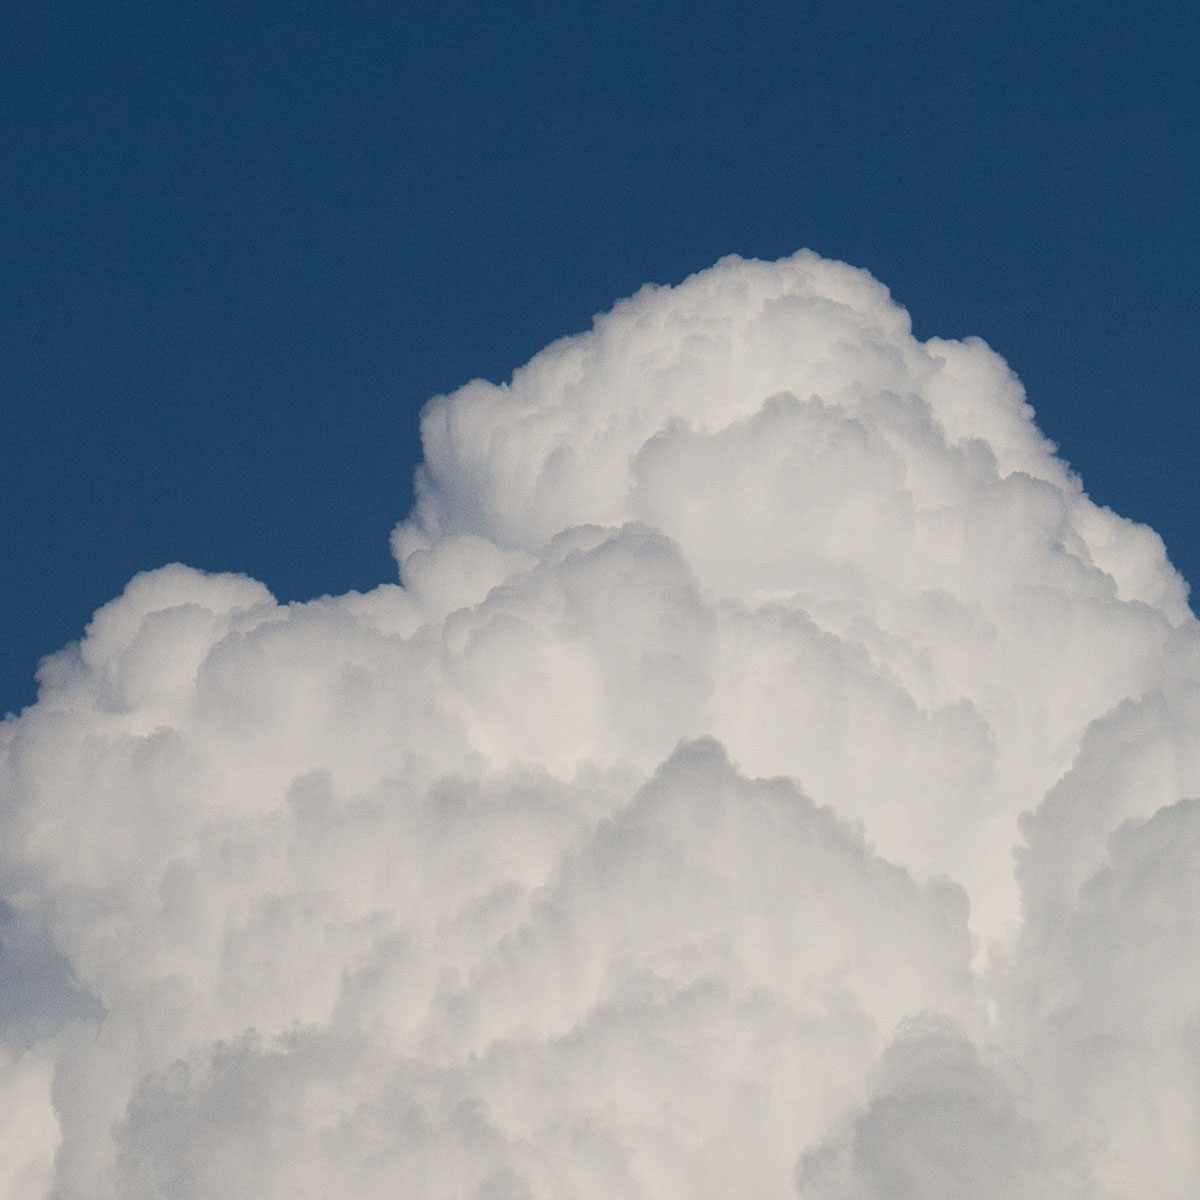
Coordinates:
column 770, row 777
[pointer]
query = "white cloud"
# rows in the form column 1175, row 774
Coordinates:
column 941, row 1123
column 656, row 837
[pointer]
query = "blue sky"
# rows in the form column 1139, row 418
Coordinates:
column 242, row 244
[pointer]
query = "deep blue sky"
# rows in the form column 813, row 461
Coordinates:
column 241, row 244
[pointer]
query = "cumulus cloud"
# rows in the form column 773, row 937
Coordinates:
column 772, row 775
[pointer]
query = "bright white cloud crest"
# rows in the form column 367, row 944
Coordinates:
column 771, row 779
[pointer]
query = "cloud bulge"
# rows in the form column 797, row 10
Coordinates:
column 772, row 776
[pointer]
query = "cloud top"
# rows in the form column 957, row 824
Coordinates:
column 769, row 777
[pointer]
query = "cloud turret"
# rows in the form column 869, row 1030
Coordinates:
column 770, row 776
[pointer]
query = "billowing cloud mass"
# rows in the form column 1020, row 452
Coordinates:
column 772, row 776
